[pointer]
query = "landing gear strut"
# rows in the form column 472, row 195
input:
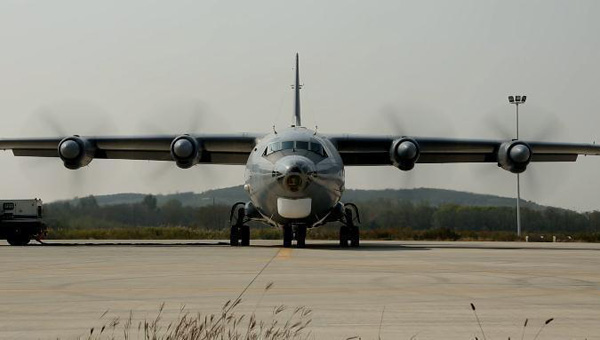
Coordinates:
column 239, row 234
column 300, row 234
column 349, row 232
column 294, row 232
column 288, row 235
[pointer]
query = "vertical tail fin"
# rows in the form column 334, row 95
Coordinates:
column 297, row 88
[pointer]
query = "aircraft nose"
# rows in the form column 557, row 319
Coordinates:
column 294, row 172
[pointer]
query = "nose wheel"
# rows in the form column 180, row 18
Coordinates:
column 297, row 232
column 349, row 232
column 239, row 234
column 288, row 235
column 300, row 236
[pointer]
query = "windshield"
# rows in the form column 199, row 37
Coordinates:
column 313, row 146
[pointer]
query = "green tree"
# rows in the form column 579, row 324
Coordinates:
column 88, row 202
column 172, row 212
column 150, row 202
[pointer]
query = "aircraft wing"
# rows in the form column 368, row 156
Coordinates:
column 213, row 149
column 372, row 150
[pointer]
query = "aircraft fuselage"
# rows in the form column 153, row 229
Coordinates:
column 294, row 176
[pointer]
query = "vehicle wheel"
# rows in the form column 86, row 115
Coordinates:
column 245, row 235
column 17, row 240
column 287, row 236
column 354, row 237
column 344, row 236
column 234, row 236
column 301, row 237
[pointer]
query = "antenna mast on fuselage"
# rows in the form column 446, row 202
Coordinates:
column 297, row 88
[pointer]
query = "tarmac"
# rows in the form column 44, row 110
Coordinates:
column 383, row 290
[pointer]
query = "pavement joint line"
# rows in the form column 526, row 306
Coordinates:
column 254, row 279
column 234, row 303
column 381, row 323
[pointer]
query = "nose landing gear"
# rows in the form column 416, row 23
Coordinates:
column 349, row 232
column 294, row 231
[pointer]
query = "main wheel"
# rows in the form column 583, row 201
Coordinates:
column 354, row 237
column 245, row 235
column 344, row 236
column 234, row 236
column 301, row 237
column 287, row 236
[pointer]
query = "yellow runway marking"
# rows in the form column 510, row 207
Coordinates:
column 284, row 253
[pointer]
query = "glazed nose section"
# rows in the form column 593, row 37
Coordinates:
column 294, row 173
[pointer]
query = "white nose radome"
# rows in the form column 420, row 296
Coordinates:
column 294, row 208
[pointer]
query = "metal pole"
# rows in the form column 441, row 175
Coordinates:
column 518, row 206
column 518, row 185
column 517, row 120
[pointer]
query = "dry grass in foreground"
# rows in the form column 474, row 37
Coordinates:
column 537, row 334
column 284, row 323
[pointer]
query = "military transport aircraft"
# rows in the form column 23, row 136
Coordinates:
column 295, row 177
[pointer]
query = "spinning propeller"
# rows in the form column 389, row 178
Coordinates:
column 405, row 151
column 62, row 119
column 502, row 126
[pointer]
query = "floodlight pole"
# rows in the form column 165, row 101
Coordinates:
column 517, row 106
column 518, row 100
column 518, row 184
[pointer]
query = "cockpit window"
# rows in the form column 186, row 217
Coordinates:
column 316, row 148
column 302, row 145
column 274, row 147
column 313, row 146
column 287, row 145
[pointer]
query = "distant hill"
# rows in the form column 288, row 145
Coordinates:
column 230, row 195
column 436, row 197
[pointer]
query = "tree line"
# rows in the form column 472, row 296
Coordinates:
column 377, row 214
column 87, row 214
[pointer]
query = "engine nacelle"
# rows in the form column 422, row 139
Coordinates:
column 185, row 151
column 404, row 153
column 514, row 156
column 76, row 152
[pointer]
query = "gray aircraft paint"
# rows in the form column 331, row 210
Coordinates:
column 321, row 175
column 324, row 186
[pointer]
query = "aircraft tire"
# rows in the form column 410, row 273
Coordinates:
column 245, row 235
column 301, row 237
column 344, row 236
column 287, row 236
column 354, row 237
column 234, row 236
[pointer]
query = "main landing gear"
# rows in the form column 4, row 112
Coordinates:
column 349, row 232
column 294, row 232
column 240, row 232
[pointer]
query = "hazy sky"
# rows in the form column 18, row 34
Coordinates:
column 443, row 67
